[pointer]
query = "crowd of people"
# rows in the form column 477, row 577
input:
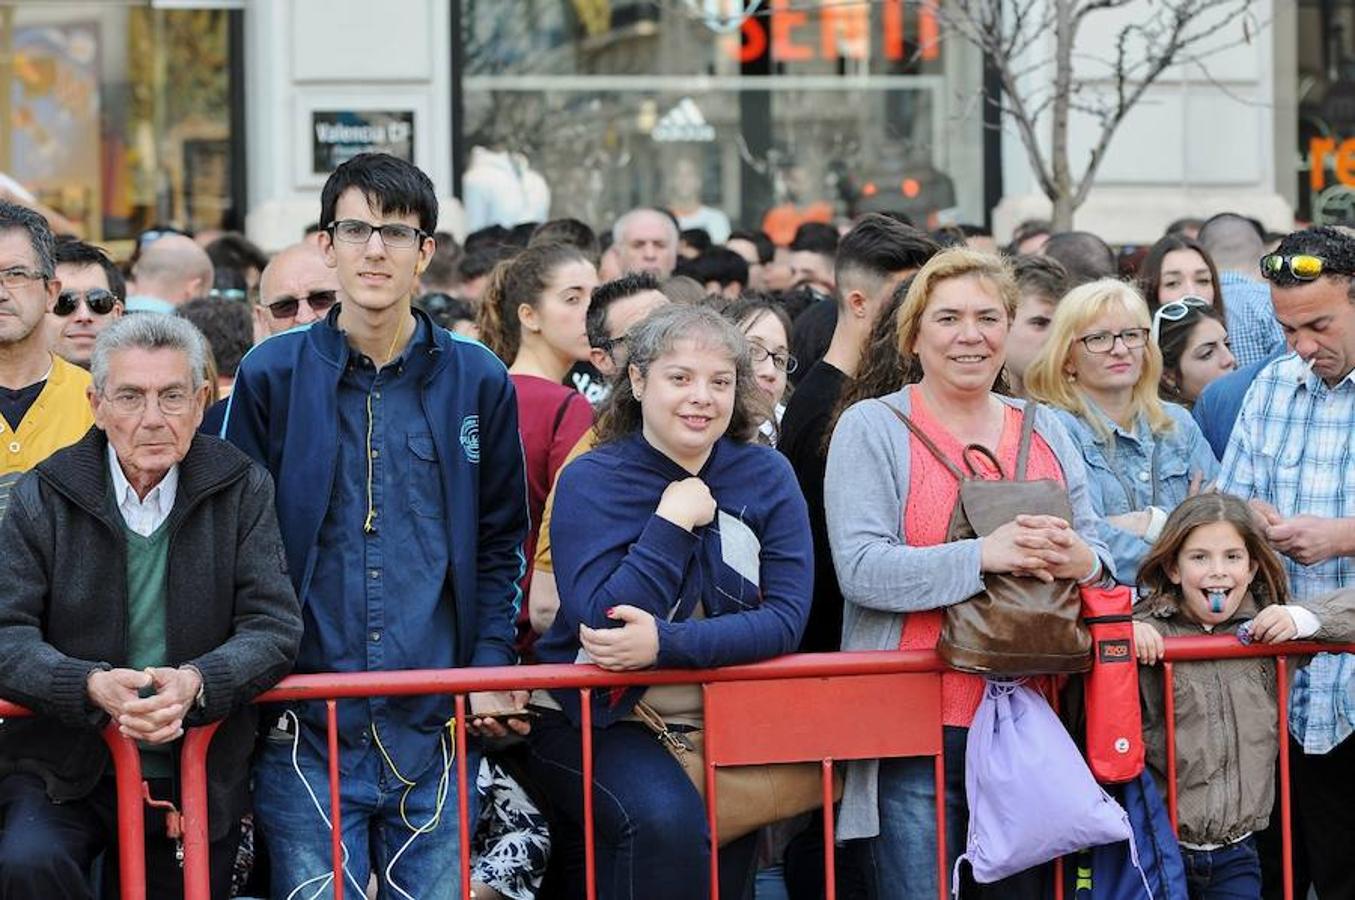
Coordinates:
column 383, row 449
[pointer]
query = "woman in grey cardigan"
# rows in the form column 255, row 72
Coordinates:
column 888, row 503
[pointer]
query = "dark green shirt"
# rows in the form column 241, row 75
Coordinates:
column 147, row 563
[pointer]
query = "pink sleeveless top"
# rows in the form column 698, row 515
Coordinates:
column 932, row 494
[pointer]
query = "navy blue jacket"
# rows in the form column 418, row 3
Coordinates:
column 283, row 412
column 752, row 569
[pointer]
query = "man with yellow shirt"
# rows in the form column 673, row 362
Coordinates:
column 42, row 397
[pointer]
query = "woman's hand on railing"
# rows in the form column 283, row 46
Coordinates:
column 635, row 645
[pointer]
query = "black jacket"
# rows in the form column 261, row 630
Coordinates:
column 230, row 611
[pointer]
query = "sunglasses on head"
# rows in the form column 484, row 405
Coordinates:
column 1175, row 311
column 99, row 301
column 1303, row 266
column 287, row 307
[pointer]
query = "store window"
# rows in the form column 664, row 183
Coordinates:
column 769, row 112
column 120, row 115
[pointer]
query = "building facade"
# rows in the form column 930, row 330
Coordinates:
column 209, row 114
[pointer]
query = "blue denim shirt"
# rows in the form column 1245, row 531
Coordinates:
column 380, row 597
column 1129, row 471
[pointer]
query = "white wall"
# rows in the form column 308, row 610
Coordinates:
column 303, row 55
column 1203, row 139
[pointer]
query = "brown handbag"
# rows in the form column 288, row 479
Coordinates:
column 1017, row 625
column 746, row 797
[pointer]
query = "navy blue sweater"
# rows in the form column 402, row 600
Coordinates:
column 752, row 569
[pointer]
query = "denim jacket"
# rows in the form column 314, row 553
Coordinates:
column 1129, row 471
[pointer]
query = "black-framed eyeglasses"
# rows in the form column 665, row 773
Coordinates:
column 1175, row 311
column 393, row 234
column 607, row 345
column 99, row 301
column 783, row 361
column 1104, row 341
column 286, row 307
column 17, row 279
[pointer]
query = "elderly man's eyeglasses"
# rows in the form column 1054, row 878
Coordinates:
column 783, row 361
column 1103, row 341
column 172, row 402
column 1175, row 311
column 17, row 279
column 286, row 307
column 393, row 234
column 99, row 301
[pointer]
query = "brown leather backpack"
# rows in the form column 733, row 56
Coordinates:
column 1017, row 625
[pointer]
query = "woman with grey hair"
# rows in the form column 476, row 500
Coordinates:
column 696, row 554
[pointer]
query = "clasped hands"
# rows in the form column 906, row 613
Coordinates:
column 1307, row 540
column 1043, row 547
column 157, row 719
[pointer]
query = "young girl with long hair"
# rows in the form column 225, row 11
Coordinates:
column 1213, row 572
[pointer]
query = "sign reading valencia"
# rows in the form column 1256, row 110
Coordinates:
column 337, row 136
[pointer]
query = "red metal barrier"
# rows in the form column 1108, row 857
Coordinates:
column 746, row 722
column 131, row 809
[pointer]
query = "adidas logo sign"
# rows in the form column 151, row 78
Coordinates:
column 684, row 122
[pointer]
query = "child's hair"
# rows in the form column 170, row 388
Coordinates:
column 516, row 281
column 1271, row 585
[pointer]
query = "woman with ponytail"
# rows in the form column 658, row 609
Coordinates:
column 532, row 316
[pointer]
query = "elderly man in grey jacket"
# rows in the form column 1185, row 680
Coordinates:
column 144, row 584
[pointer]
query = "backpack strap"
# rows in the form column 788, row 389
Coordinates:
column 927, row 442
column 560, row 413
column 1027, row 432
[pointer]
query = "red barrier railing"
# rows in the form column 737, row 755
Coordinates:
column 131, row 810
column 1194, row 649
column 793, row 709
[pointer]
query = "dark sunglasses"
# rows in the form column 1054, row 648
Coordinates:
column 99, row 301
column 286, row 307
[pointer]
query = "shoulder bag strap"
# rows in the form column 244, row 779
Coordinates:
column 926, row 442
column 1027, row 431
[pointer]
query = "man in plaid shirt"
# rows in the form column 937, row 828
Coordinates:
column 1292, row 454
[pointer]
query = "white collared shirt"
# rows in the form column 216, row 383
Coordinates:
column 143, row 516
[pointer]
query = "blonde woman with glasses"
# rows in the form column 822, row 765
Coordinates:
column 1100, row 369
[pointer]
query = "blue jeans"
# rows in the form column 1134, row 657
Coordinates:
column 1229, row 873
column 652, row 837
column 901, row 860
column 377, row 835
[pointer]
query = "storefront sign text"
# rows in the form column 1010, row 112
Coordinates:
column 844, row 31
column 337, row 137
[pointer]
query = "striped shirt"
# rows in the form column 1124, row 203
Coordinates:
column 1294, row 447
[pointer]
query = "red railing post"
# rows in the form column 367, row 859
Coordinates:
column 942, row 870
column 1169, row 713
column 335, row 816
column 829, row 857
column 1286, row 834
column 197, row 872
column 131, row 813
column 712, row 801
column 589, row 849
column 463, row 787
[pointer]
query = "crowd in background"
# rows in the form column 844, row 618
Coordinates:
column 642, row 447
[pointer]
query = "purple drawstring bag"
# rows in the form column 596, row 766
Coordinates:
column 1031, row 796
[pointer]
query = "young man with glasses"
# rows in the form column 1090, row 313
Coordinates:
column 92, row 296
column 42, row 397
column 297, row 287
column 402, row 500
column 1290, row 455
